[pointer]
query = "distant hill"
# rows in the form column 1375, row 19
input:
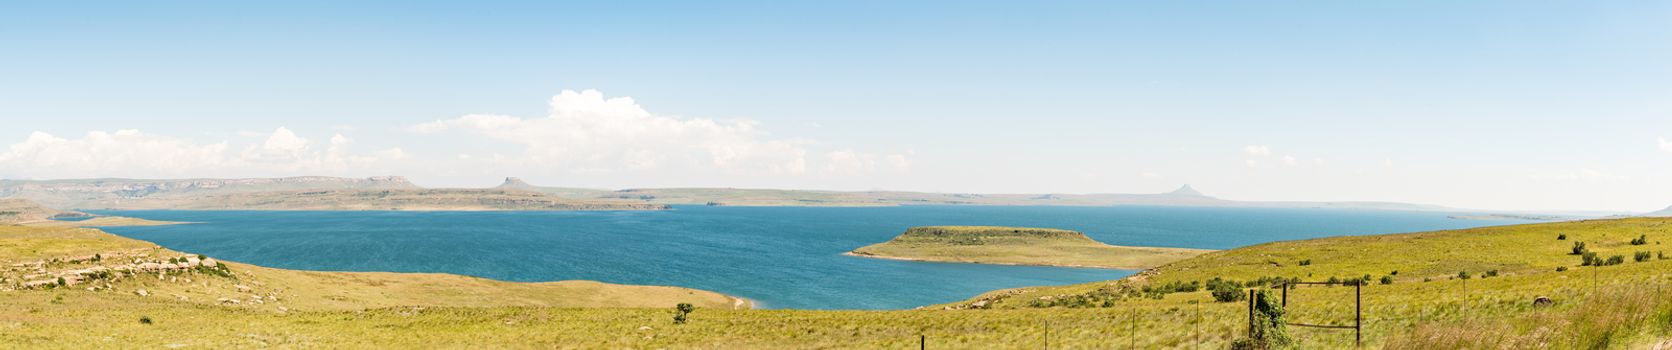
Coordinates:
column 1661, row 214
column 16, row 211
column 292, row 193
column 120, row 193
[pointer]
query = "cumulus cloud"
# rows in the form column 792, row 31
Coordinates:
column 1665, row 146
column 131, row 153
column 588, row 132
column 1257, row 151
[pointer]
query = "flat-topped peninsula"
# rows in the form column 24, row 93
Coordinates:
column 1018, row 246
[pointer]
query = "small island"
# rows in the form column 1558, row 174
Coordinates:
column 1018, row 246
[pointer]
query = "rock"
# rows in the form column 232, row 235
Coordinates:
column 1543, row 301
column 644, row 328
column 979, row 304
column 242, row 288
column 142, row 293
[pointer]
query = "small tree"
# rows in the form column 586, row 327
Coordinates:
column 1463, row 275
column 1561, row 237
column 1387, row 279
column 1641, row 240
column 1578, row 248
column 681, row 311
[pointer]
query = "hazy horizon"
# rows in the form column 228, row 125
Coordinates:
column 1484, row 105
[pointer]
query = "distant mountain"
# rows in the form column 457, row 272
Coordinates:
column 515, row 183
column 116, row 193
column 1186, row 191
column 1661, row 214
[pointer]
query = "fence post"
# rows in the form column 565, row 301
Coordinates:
column 1358, row 314
column 922, row 342
column 1251, row 313
column 1285, row 294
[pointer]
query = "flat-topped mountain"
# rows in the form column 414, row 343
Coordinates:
column 1018, row 246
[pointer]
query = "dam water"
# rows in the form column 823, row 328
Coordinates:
column 781, row 257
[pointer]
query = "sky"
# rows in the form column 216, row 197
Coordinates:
column 1514, row 105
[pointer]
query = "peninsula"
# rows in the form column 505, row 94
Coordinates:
column 1018, row 246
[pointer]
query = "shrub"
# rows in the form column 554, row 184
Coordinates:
column 1306, row 262
column 1333, row 281
column 1641, row 240
column 1578, row 248
column 1226, row 295
column 1463, row 274
column 145, row 320
column 1387, row 279
column 680, row 312
column 1395, row 273
column 1490, row 273
column 1642, row 256
column 1561, row 237
column 1268, row 329
column 1590, row 259
column 1561, row 268
column 1615, row 260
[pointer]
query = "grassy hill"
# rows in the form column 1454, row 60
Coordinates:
column 1018, row 246
column 1621, row 306
column 393, row 199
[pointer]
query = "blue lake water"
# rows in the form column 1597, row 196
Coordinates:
column 781, row 257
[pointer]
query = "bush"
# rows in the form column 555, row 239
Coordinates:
column 1306, row 262
column 145, row 320
column 1641, row 240
column 1333, row 281
column 1561, row 237
column 1615, row 260
column 1268, row 329
column 1578, row 248
column 1463, row 274
column 1490, row 273
column 1561, row 268
column 1590, row 259
column 680, row 312
column 1642, row 256
column 1395, row 273
column 1228, row 293
column 1387, row 279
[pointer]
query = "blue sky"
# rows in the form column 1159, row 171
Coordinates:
column 1505, row 105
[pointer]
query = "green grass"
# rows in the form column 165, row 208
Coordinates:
column 1621, row 307
column 1018, row 246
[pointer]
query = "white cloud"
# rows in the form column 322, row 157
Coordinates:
column 1387, row 162
column 1258, row 151
column 107, row 154
column 587, row 132
column 1665, row 146
column 131, row 153
column 1289, row 161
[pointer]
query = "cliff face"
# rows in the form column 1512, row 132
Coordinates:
column 112, row 193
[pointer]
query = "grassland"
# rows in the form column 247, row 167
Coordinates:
column 1623, row 306
column 1018, row 246
column 52, row 249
